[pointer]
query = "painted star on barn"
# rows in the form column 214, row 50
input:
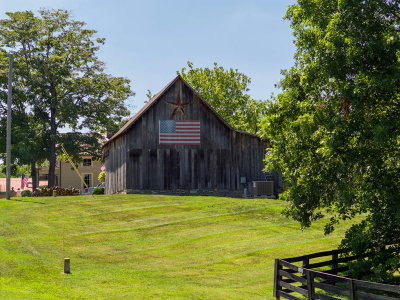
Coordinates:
column 178, row 107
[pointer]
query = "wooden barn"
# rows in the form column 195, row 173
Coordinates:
column 178, row 142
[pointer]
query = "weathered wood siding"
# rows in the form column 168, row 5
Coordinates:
column 223, row 156
column 115, row 163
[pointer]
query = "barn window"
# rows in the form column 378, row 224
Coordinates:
column 87, row 162
column 88, row 179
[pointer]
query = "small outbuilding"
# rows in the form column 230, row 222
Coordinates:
column 178, row 142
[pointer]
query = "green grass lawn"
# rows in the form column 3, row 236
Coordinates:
column 148, row 246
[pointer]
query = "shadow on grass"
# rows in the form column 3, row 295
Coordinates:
column 239, row 194
column 20, row 200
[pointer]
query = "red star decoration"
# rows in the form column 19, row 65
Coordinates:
column 178, row 107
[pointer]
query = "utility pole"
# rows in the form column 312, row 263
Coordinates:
column 8, row 151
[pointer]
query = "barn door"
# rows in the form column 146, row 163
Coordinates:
column 171, row 169
column 133, row 175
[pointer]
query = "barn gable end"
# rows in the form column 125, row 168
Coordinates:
column 135, row 159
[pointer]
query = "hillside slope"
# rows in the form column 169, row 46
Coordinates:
column 148, row 246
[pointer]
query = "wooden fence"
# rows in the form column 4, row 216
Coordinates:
column 301, row 280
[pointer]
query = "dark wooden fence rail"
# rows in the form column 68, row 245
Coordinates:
column 295, row 279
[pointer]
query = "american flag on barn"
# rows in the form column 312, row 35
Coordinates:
column 179, row 132
column 177, row 141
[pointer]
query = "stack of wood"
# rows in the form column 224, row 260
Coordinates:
column 42, row 192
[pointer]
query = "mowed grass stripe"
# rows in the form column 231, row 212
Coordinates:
column 148, row 247
column 206, row 249
column 176, row 219
column 129, row 209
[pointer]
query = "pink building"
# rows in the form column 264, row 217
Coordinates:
column 16, row 184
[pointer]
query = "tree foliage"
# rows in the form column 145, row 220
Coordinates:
column 81, row 144
column 226, row 92
column 335, row 127
column 58, row 75
column 16, row 170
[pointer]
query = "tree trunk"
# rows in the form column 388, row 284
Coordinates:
column 33, row 175
column 52, row 149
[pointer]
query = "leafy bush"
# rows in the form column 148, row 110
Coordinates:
column 98, row 191
column 42, row 187
column 26, row 193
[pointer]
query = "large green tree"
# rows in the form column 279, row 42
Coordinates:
column 30, row 137
column 57, row 67
column 335, row 127
column 227, row 93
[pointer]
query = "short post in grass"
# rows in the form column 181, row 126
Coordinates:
column 67, row 269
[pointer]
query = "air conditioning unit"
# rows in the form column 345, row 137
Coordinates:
column 263, row 188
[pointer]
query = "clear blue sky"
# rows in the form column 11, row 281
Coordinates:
column 148, row 41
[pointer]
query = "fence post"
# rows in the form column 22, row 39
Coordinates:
column 310, row 284
column 277, row 278
column 353, row 290
column 335, row 264
column 306, row 262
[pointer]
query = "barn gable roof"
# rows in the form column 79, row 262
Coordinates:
column 156, row 97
